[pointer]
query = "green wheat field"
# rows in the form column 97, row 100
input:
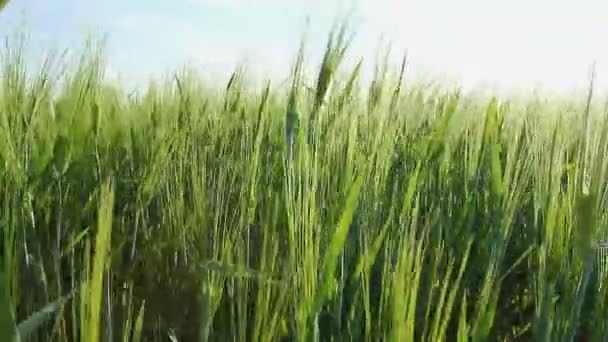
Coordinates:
column 334, row 212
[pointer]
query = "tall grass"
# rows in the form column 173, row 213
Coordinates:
column 197, row 212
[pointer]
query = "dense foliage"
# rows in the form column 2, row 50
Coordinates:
column 197, row 212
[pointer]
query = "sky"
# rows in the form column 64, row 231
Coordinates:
column 517, row 44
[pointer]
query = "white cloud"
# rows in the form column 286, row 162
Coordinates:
column 514, row 43
column 317, row 7
column 511, row 43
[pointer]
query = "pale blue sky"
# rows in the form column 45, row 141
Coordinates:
column 508, row 43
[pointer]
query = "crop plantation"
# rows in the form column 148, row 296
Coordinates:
column 343, row 211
